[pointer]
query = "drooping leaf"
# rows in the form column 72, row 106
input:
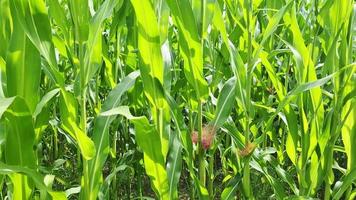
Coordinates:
column 149, row 141
column 152, row 68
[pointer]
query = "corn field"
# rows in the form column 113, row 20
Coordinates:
column 177, row 99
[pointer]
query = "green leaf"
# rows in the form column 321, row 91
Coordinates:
column 348, row 132
column 58, row 14
column 20, row 132
column 79, row 10
column 174, row 165
column 190, row 44
column 6, row 26
column 229, row 191
column 292, row 140
column 69, row 113
column 342, row 185
column 23, row 67
column 101, row 131
column 152, row 68
column 237, row 65
column 20, row 137
column 333, row 14
column 203, row 12
column 153, row 158
column 45, row 99
column 225, row 103
column 308, row 86
column 34, row 175
column 33, row 17
column 163, row 20
column 93, row 56
column 258, row 164
column 274, row 21
column 202, row 191
column 271, row 28
column 149, row 45
column 149, row 141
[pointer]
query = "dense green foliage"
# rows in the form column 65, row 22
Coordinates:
column 177, row 99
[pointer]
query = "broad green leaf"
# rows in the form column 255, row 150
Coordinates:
column 69, row 113
column 101, row 132
column 349, row 128
column 79, row 10
column 237, row 65
column 105, row 189
column 272, row 26
column 23, row 67
column 203, row 12
column 307, row 73
column 190, row 44
column 291, row 59
column 152, row 68
column 20, row 137
column 333, row 14
column 315, row 105
column 2, row 77
column 45, row 99
column 5, row 26
column 225, row 102
column 151, row 65
column 93, row 57
column 308, row 86
column 186, row 145
column 109, row 68
column 33, row 17
column 58, row 14
column 35, row 176
column 283, row 174
column 291, row 142
column 153, row 157
column 202, row 191
column 229, row 191
column 277, row 84
column 258, row 164
column 162, row 13
column 274, row 21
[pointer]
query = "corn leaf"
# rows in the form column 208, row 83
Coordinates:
column 34, row 175
column 153, row 157
column 190, row 43
column 20, row 137
column 23, row 67
column 101, row 131
column 225, row 102
column 69, row 113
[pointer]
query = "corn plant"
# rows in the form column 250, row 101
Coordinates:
column 177, row 99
